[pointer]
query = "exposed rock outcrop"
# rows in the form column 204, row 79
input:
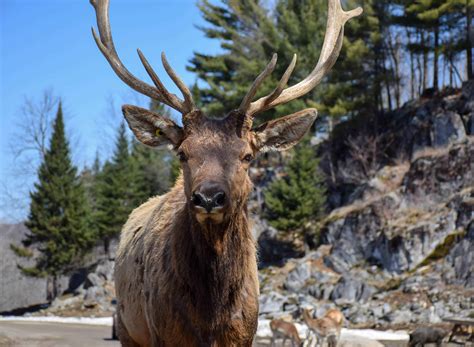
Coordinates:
column 16, row 289
column 400, row 248
column 398, row 230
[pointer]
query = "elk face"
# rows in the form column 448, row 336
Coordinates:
column 214, row 161
column 215, row 155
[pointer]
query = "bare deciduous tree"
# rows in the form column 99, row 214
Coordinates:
column 366, row 154
column 28, row 145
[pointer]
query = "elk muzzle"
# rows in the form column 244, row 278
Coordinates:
column 210, row 202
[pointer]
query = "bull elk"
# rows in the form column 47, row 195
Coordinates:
column 186, row 268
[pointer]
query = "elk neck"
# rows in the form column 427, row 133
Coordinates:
column 210, row 261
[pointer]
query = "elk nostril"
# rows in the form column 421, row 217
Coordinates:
column 219, row 199
column 196, row 199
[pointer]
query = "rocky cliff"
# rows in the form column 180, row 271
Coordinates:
column 400, row 246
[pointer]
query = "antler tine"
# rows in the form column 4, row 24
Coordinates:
column 168, row 97
column 283, row 81
column 245, row 104
column 332, row 45
column 106, row 45
column 188, row 98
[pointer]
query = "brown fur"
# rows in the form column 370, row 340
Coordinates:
column 336, row 316
column 284, row 330
column 323, row 328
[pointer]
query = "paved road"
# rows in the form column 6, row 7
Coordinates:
column 41, row 334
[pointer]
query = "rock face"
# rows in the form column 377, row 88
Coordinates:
column 17, row 290
column 419, row 127
column 398, row 230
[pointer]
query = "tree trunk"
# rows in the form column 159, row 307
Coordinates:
column 451, row 80
column 425, row 60
column 387, row 89
column 107, row 247
column 51, row 287
column 436, row 55
column 394, row 53
column 331, row 142
column 412, row 69
column 470, row 72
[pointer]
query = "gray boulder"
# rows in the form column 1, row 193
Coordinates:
column 271, row 303
column 448, row 128
column 352, row 290
column 297, row 278
column 400, row 317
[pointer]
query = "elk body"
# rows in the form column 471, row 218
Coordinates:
column 285, row 331
column 186, row 268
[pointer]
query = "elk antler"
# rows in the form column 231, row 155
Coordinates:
column 106, row 45
column 333, row 38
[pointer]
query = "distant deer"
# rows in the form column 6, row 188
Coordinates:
column 186, row 269
column 323, row 328
column 425, row 335
column 286, row 331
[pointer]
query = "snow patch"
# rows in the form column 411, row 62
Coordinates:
column 67, row 320
column 375, row 334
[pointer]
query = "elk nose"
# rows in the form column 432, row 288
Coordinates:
column 209, row 197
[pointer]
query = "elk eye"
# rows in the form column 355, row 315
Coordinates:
column 248, row 158
column 182, row 156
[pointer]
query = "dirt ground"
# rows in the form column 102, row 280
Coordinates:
column 41, row 334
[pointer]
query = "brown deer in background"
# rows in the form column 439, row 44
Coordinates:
column 186, row 268
column 285, row 331
column 327, row 327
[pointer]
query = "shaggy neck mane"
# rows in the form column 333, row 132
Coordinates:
column 210, row 263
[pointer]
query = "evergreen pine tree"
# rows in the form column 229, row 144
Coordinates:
column 299, row 196
column 250, row 33
column 90, row 180
column 118, row 191
column 153, row 167
column 243, row 28
column 58, row 218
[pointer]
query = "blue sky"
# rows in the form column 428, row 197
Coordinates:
column 48, row 44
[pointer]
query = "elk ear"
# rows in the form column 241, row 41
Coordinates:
column 152, row 129
column 285, row 132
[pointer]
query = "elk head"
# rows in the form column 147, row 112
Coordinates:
column 215, row 154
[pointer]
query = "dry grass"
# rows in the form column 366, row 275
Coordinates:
column 430, row 152
column 437, row 151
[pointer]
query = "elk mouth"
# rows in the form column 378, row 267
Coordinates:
column 214, row 216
